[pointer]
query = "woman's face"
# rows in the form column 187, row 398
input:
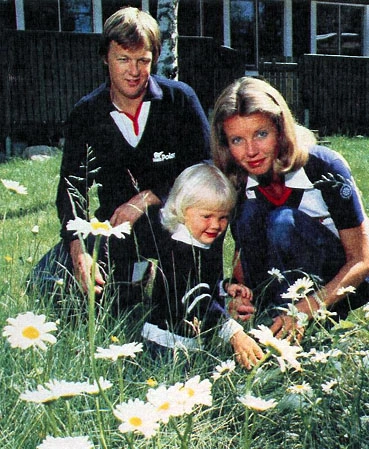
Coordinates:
column 252, row 141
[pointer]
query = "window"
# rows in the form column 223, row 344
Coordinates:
column 339, row 29
column 58, row 15
column 109, row 7
column 257, row 29
column 201, row 18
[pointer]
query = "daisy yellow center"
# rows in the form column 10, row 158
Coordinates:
column 164, row 406
column 31, row 332
column 301, row 290
column 300, row 387
column 99, row 225
column 135, row 421
column 190, row 392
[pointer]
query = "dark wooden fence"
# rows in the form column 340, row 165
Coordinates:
column 335, row 93
column 284, row 76
column 43, row 74
column 327, row 93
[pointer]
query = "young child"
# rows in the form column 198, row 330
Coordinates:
column 188, row 298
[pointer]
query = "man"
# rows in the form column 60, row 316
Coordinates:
column 132, row 136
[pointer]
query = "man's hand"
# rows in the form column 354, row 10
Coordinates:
column 285, row 326
column 82, row 265
column 134, row 208
column 240, row 307
column 247, row 351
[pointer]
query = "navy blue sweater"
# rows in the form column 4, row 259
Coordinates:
column 176, row 136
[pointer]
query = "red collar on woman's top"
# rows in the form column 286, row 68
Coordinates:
column 286, row 192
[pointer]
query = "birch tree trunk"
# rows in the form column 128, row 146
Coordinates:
column 167, row 18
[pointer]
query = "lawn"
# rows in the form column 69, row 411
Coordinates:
column 318, row 398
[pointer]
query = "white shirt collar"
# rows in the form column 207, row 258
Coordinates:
column 295, row 179
column 182, row 234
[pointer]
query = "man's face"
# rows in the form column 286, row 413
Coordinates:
column 129, row 71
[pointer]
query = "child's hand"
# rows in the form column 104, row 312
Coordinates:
column 247, row 351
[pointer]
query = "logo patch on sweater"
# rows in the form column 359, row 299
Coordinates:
column 160, row 156
column 346, row 191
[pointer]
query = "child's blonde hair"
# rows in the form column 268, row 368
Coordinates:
column 201, row 185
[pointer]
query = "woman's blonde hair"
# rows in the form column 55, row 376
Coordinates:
column 202, row 185
column 247, row 96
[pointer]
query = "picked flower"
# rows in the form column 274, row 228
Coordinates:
column 116, row 351
column 223, row 369
column 257, row 404
column 299, row 289
column 66, row 443
column 138, row 417
column 96, row 227
column 14, row 186
column 281, row 349
column 28, row 329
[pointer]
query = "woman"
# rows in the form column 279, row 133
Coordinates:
column 299, row 208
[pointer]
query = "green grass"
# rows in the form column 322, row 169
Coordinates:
column 312, row 419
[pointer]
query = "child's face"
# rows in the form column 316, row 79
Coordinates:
column 206, row 224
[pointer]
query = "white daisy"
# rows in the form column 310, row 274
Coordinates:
column 40, row 396
column 328, row 386
column 28, row 329
column 317, row 356
column 137, row 416
column 116, row 351
column 14, row 186
column 257, row 404
column 95, row 227
column 66, row 443
column 223, row 369
column 303, row 388
column 65, row 389
column 195, row 392
column 300, row 289
column 94, row 387
column 281, row 349
column 274, row 272
column 165, row 401
column 346, row 290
